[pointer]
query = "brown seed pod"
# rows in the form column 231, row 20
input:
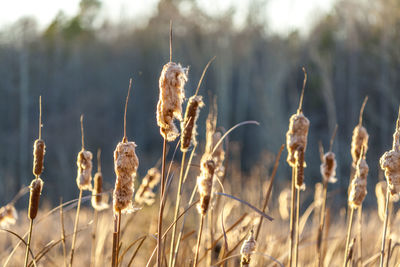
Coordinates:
column 8, row 215
column 248, row 248
column 145, row 194
column 328, row 167
column 39, row 149
column 172, row 93
column 359, row 139
column 34, row 197
column 296, row 136
column 84, row 163
column 125, row 166
column 188, row 125
column 97, row 199
column 390, row 162
column 299, row 157
column 204, row 185
column 358, row 187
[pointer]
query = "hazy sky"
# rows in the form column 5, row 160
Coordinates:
column 283, row 15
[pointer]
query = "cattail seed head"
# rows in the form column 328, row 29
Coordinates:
column 145, row 194
column 204, row 184
column 188, row 125
column 97, row 198
column 390, row 162
column 125, row 166
column 84, row 163
column 299, row 157
column 8, row 215
column 248, row 248
column 172, row 93
column 34, row 197
column 296, row 136
column 39, row 149
column 328, row 167
column 358, row 140
column 358, row 187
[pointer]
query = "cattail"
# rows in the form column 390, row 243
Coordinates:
column 328, row 167
column 284, row 203
column 299, row 157
column 35, row 192
column 296, row 136
column 125, row 166
column 390, row 162
column 8, row 215
column 145, row 192
column 188, row 125
column 84, row 163
column 204, row 184
column 97, row 199
column 248, row 248
column 358, row 187
column 172, row 93
column 39, row 149
column 358, row 141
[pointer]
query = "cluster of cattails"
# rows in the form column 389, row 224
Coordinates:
column 84, row 176
column 358, row 187
column 172, row 93
column 247, row 249
column 188, row 125
column 204, row 184
column 390, row 162
column 328, row 167
column 8, row 215
column 39, row 149
column 125, row 166
column 98, row 202
column 145, row 194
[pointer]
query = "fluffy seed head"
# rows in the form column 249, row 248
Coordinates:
column 8, row 215
column 125, row 166
column 204, row 184
column 145, row 194
column 188, row 125
column 328, row 167
column 390, row 162
column 84, row 163
column 34, row 197
column 299, row 159
column 97, row 199
column 39, row 149
column 359, row 140
column 358, row 187
column 248, row 248
column 296, row 136
column 172, row 93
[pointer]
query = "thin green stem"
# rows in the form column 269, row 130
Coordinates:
column 29, row 242
column 75, row 228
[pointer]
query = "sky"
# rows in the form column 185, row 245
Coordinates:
column 283, row 15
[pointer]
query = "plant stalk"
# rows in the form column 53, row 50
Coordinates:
column 161, row 211
column 29, row 242
column 75, row 228
column 350, row 223
column 196, row 256
column 385, row 224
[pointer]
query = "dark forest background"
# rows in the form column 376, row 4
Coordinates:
column 80, row 68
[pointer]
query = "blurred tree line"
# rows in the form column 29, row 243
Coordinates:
column 78, row 68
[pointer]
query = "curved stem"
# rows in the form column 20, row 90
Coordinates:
column 29, row 243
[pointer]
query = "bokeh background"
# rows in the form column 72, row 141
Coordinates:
column 80, row 57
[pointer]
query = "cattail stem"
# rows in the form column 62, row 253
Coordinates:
column 177, row 203
column 196, row 256
column 350, row 223
column 94, row 231
column 75, row 228
column 389, row 252
column 40, row 117
column 117, row 230
column 292, row 217
column 29, row 242
column 321, row 225
column 359, row 236
column 161, row 211
column 64, row 247
column 385, row 224
column 296, row 245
